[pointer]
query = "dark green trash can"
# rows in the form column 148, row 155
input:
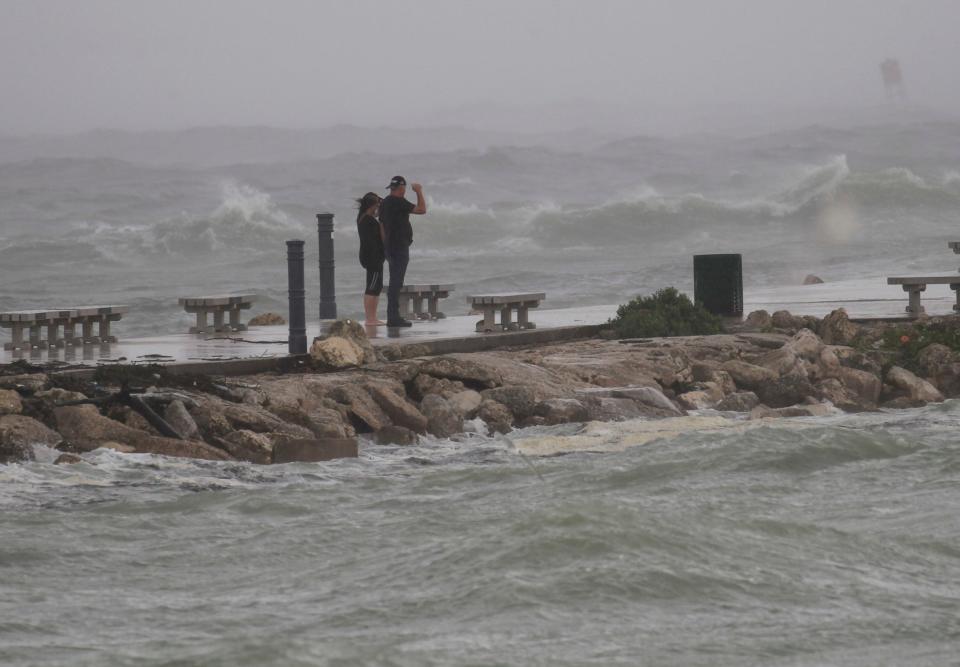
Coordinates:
column 718, row 283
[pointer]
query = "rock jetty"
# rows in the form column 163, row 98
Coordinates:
column 773, row 366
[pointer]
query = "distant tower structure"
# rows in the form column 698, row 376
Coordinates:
column 893, row 80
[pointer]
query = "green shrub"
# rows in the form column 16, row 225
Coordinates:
column 904, row 343
column 665, row 313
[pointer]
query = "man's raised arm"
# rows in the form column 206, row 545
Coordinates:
column 421, row 206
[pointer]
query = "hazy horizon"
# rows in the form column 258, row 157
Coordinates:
column 70, row 67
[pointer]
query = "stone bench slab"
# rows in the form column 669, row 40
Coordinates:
column 53, row 318
column 506, row 298
column 217, row 300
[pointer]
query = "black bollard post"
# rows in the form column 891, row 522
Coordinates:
column 297, row 342
column 328, row 290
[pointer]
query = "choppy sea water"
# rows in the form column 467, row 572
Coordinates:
column 829, row 541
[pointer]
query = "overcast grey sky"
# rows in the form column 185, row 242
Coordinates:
column 69, row 65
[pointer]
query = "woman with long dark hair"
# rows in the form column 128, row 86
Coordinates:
column 371, row 253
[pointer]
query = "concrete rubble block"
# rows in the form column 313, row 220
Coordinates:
column 10, row 403
column 398, row 408
column 917, row 389
column 699, row 399
column 740, row 401
column 781, row 361
column 470, row 373
column 309, row 450
column 395, row 435
column 609, row 408
column 403, row 371
column 746, row 375
column 177, row 416
column 466, row 403
column 496, row 416
column 365, row 413
column 58, row 395
column 257, row 419
column 561, row 411
column 442, row 420
column 354, row 332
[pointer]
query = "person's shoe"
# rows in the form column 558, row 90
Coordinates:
column 399, row 323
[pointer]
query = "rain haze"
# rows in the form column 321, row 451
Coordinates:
column 646, row 66
column 782, row 494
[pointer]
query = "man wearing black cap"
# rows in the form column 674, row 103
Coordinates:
column 395, row 213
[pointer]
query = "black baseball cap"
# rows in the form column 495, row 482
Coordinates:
column 396, row 182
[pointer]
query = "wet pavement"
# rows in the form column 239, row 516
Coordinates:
column 867, row 298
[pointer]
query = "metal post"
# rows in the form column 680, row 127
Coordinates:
column 297, row 342
column 328, row 291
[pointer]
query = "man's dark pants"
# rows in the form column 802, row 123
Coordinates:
column 397, row 258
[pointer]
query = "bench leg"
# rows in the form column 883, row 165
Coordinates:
column 35, row 340
column 53, row 334
column 218, row 320
column 103, row 328
column 404, row 304
column 69, row 333
column 235, row 324
column 489, row 321
column 88, row 337
column 956, row 290
column 506, row 318
column 201, row 326
column 16, row 337
column 914, row 309
column 418, row 307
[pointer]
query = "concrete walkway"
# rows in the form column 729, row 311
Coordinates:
column 866, row 298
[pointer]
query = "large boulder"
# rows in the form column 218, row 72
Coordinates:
column 648, row 401
column 613, row 409
column 862, row 384
column 18, row 435
column 837, row 329
column 180, row 420
column 10, row 403
column 806, row 345
column 86, row 429
column 442, row 420
column 266, row 320
column 518, row 399
column 741, row 401
column 844, row 397
column 466, row 403
column 354, row 332
column 365, row 413
column 395, row 435
column 784, row 319
column 470, row 373
column 746, row 375
column 785, row 390
column 811, row 279
column 29, row 382
column 497, row 417
column 561, row 411
column 336, row 353
column 939, row 364
column 398, row 408
column 805, row 410
column 758, row 320
column 246, row 445
column 916, row 389
column 424, row 384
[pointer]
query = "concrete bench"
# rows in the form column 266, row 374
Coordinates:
column 914, row 285
column 218, row 305
column 417, row 294
column 489, row 304
column 35, row 321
